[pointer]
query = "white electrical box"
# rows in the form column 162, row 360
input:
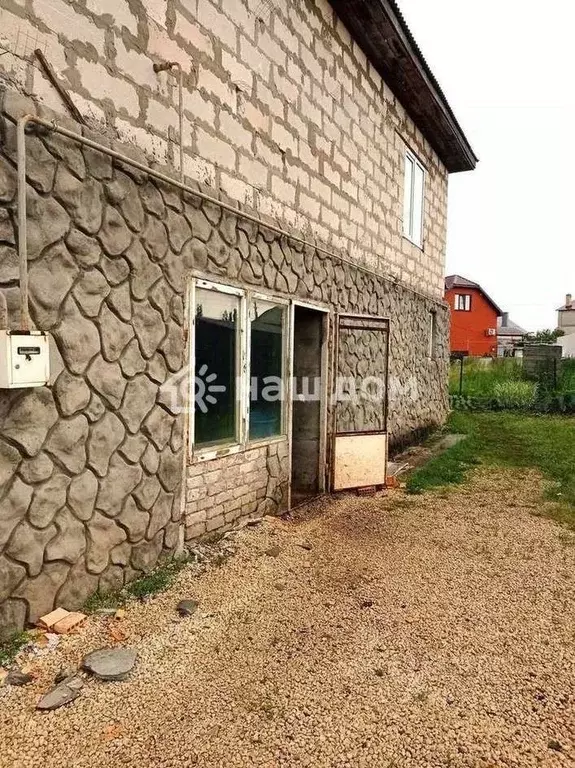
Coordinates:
column 24, row 359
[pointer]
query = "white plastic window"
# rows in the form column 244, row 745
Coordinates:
column 463, row 302
column 413, row 197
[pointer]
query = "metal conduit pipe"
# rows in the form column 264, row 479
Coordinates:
column 22, row 228
column 53, row 126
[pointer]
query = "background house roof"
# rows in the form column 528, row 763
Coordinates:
column 509, row 328
column 456, row 281
column 381, row 31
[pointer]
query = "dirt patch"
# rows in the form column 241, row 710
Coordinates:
column 430, row 631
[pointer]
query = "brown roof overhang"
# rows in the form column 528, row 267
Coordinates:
column 382, row 33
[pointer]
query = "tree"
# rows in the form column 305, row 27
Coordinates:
column 546, row 336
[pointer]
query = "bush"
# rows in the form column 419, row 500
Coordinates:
column 558, row 402
column 514, row 394
column 567, row 378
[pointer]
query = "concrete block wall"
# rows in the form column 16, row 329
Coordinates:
column 282, row 111
column 222, row 491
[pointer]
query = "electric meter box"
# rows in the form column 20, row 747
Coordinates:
column 24, row 359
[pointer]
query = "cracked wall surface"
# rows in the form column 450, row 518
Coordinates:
column 282, row 111
column 92, row 466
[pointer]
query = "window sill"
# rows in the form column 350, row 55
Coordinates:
column 265, row 441
column 214, row 452
column 202, row 455
column 419, row 246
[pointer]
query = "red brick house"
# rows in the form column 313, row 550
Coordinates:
column 473, row 318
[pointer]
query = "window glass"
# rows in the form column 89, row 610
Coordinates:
column 267, row 328
column 463, row 301
column 407, row 196
column 216, row 352
column 417, row 216
column 413, row 196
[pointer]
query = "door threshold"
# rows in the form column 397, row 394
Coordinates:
column 307, row 500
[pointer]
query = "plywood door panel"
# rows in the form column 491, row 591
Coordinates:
column 360, row 460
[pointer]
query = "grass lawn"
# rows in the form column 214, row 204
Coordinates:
column 480, row 376
column 546, row 443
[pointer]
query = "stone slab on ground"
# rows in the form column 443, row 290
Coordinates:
column 63, row 693
column 418, row 455
column 110, row 663
column 16, row 677
column 447, row 442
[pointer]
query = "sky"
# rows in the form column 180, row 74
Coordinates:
column 506, row 67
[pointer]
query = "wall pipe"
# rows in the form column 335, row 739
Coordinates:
column 22, row 228
column 53, row 126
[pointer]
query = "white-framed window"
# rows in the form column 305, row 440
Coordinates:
column 217, row 364
column 238, row 348
column 432, row 351
column 462, row 302
column 267, row 340
column 413, row 197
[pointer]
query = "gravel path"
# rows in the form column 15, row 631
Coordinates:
column 417, row 631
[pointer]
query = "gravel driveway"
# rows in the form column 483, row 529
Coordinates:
column 417, row 631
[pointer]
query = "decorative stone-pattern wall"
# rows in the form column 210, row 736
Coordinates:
column 282, row 111
column 91, row 467
column 362, row 354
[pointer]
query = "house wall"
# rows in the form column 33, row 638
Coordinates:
column 282, row 112
column 567, row 344
column 566, row 320
column 468, row 329
column 92, row 467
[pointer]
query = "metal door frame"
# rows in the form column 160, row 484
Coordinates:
column 378, row 320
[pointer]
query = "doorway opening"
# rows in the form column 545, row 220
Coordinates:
column 308, row 405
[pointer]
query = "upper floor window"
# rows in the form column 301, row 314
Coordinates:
column 413, row 199
column 462, row 302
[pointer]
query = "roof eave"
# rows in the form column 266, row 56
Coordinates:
column 381, row 31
